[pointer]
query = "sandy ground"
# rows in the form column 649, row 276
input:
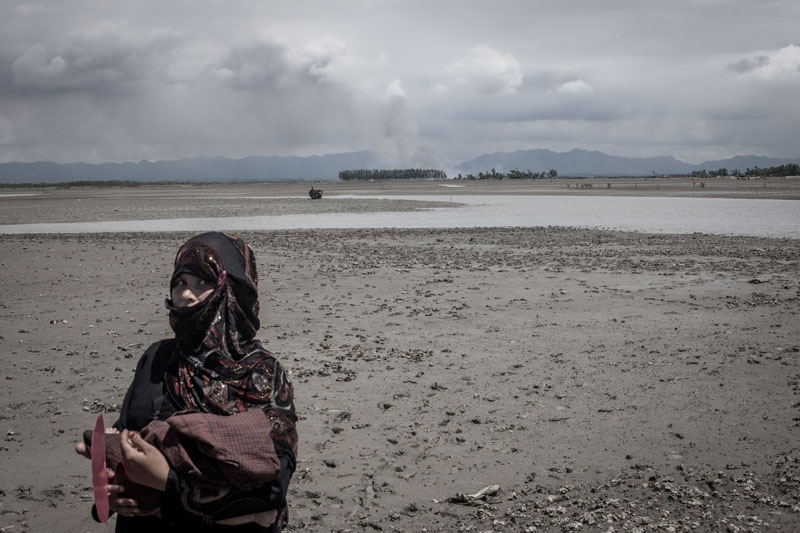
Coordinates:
column 588, row 380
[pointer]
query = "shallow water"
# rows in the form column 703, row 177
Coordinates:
column 721, row 216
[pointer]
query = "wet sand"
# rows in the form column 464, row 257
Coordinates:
column 588, row 380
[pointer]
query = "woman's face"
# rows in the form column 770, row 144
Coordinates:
column 190, row 290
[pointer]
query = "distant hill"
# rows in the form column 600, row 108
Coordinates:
column 584, row 163
column 743, row 162
column 271, row 168
column 327, row 167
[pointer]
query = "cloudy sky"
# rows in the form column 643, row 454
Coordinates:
column 431, row 82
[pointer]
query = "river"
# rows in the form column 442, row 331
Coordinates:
column 721, row 216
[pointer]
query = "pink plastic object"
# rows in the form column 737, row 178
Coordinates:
column 99, row 473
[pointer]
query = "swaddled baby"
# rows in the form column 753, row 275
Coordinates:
column 149, row 500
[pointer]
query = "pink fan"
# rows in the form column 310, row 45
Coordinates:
column 99, row 473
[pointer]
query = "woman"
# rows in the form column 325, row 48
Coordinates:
column 208, row 421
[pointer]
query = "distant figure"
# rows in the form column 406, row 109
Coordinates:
column 315, row 194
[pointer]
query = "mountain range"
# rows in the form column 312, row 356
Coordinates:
column 327, row 167
column 591, row 164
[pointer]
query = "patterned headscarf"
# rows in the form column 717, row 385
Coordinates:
column 230, row 263
column 221, row 367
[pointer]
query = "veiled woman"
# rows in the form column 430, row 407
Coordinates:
column 207, row 438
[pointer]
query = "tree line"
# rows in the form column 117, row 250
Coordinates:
column 514, row 174
column 401, row 174
column 790, row 169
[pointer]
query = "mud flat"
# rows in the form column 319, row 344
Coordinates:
column 27, row 205
column 454, row 380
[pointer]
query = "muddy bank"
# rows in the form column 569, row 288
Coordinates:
column 585, row 379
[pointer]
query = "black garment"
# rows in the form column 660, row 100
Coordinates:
column 148, row 399
column 157, row 525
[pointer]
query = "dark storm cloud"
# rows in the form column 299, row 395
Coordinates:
column 255, row 67
column 749, row 64
column 100, row 58
column 286, row 97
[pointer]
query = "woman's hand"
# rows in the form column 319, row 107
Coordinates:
column 144, row 463
column 120, row 504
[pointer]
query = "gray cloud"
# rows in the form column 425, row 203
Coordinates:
column 82, row 80
column 101, row 57
column 255, row 67
column 749, row 64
